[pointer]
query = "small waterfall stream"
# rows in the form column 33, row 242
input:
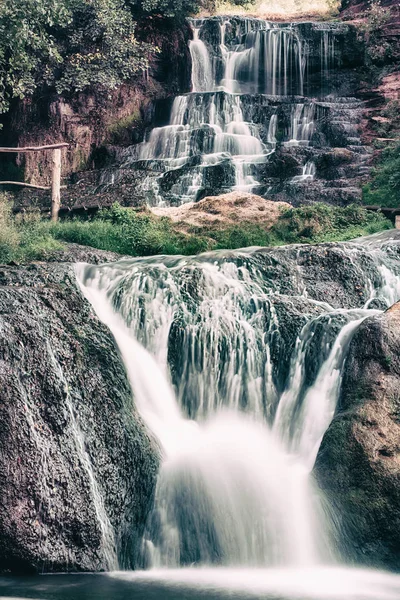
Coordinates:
column 238, row 396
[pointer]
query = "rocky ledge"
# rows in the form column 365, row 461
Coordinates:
column 358, row 465
column 77, row 465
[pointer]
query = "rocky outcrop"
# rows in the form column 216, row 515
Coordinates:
column 77, row 465
column 358, row 465
column 214, row 212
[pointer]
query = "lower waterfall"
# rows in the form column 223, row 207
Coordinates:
column 237, row 395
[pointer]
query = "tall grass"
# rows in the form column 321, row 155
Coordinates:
column 126, row 231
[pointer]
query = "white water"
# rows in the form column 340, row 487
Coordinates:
column 234, row 487
column 308, row 173
column 302, row 125
column 202, row 75
column 324, row 583
column 209, row 126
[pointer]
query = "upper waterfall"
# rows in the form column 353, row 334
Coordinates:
column 263, row 94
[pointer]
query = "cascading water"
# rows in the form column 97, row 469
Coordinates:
column 238, row 397
column 258, row 88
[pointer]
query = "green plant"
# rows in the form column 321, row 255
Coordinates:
column 131, row 232
column 378, row 49
column 321, row 222
column 73, row 45
column 127, row 231
column 384, row 187
column 21, row 240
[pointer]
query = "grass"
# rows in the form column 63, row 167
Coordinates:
column 30, row 240
column 129, row 232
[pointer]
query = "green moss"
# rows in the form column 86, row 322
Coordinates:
column 118, row 131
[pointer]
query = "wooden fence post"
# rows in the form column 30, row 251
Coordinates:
column 56, row 185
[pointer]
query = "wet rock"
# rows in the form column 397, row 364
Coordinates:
column 358, row 465
column 77, row 465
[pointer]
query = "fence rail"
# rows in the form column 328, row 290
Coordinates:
column 56, row 173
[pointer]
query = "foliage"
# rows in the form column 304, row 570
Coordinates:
column 126, row 231
column 173, row 9
column 242, row 236
column 321, row 222
column 9, row 236
column 28, row 49
column 379, row 50
column 72, row 45
column 384, row 188
column 27, row 240
column 101, row 48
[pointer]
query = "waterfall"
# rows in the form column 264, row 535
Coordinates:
column 302, row 124
column 202, row 76
column 308, row 173
column 269, row 60
column 214, row 141
column 205, row 343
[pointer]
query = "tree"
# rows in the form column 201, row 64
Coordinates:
column 72, row 45
column 28, row 51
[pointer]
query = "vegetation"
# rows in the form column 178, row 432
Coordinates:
column 324, row 223
column 378, row 49
column 130, row 232
column 26, row 241
column 71, row 45
column 384, row 188
column 127, row 231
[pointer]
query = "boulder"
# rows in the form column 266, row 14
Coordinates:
column 358, row 465
column 77, row 465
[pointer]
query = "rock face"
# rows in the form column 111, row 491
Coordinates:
column 77, row 465
column 358, row 465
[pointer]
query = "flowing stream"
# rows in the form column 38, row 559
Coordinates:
column 238, row 397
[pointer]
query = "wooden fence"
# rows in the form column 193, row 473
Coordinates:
column 56, row 174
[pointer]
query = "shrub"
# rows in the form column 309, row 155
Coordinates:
column 378, row 49
column 384, row 188
column 321, row 222
column 73, row 45
column 127, row 231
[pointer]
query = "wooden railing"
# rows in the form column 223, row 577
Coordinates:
column 56, row 174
